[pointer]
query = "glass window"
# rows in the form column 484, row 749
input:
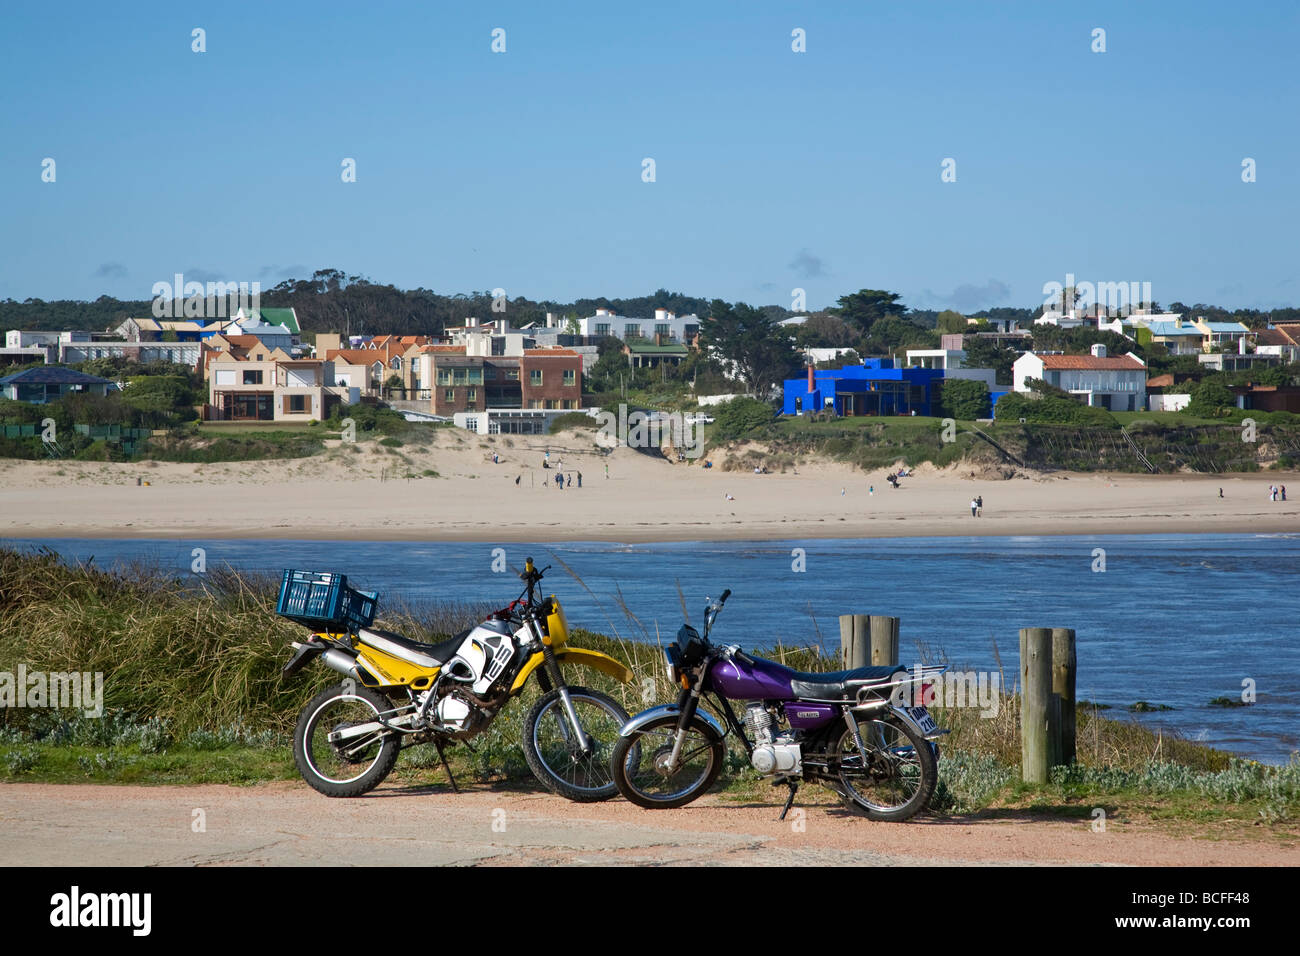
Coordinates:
column 253, row 378
column 602, row 328
column 475, row 376
column 444, row 376
column 449, row 395
column 535, row 376
column 570, row 376
column 461, row 376
column 471, row 395
column 512, row 374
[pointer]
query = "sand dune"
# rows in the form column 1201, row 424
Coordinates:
column 360, row 492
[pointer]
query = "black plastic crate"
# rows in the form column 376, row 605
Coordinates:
column 323, row 600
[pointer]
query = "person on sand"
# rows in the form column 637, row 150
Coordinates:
column 973, row 506
column 1282, row 490
column 871, row 489
column 729, row 496
column 570, row 482
column 607, row 471
column 517, row 477
column 979, row 506
column 1220, row 492
column 579, row 479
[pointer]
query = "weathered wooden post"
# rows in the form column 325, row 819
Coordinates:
column 884, row 640
column 1036, row 735
column 1064, row 665
column 868, row 640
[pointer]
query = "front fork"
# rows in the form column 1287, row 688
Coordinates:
column 689, row 701
column 552, row 668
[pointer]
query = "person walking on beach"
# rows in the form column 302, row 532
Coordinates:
column 579, row 479
column 1282, row 490
column 1272, row 493
column 1220, row 492
column 979, row 506
column 559, row 480
column 973, row 506
column 570, row 482
column 607, row 471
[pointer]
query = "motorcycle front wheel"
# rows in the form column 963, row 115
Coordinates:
column 641, row 768
column 900, row 774
column 354, row 768
column 554, row 754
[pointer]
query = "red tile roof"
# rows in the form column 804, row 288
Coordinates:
column 1117, row 362
column 353, row 356
column 550, row 353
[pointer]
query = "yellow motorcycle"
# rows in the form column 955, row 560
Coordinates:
column 399, row 693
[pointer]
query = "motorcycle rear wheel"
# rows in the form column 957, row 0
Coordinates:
column 552, row 752
column 900, row 777
column 639, row 763
column 327, row 767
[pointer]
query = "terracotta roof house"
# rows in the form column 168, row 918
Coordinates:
column 1117, row 383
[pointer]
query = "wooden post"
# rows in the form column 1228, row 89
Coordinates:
column 1064, row 664
column 1035, row 703
column 855, row 647
column 884, row 640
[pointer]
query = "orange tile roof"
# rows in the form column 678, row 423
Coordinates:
column 1118, row 362
column 353, row 356
column 550, row 353
column 449, row 349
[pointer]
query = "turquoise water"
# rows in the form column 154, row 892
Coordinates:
column 1174, row 619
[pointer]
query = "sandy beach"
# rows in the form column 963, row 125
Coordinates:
column 361, row 492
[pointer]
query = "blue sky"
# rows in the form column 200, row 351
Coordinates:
column 773, row 169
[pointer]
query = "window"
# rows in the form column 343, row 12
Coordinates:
column 460, row 376
column 253, row 378
column 444, row 376
column 535, row 377
column 570, row 376
column 490, row 374
column 602, row 328
column 297, row 404
column 534, row 403
column 475, row 376
column 471, row 395
column 449, row 395
column 632, row 330
column 550, row 403
column 663, row 329
column 512, row 374
column 471, row 424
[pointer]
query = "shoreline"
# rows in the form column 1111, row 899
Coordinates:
column 681, row 535
column 454, row 490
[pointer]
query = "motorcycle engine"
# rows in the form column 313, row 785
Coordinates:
column 773, row 752
column 459, row 715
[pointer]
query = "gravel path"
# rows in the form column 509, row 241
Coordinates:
column 289, row 824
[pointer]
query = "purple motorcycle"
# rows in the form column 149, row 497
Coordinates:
column 855, row 731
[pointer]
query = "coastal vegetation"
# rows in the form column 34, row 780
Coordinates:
column 192, row 693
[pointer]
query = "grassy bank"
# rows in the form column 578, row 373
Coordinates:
column 193, row 693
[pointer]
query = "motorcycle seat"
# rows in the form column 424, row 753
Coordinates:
column 835, row 685
column 413, row 652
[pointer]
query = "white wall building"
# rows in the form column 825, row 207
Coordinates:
column 1116, row 383
column 672, row 328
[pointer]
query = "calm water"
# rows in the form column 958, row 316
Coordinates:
column 1174, row 619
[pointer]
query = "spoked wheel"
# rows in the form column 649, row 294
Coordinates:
column 555, row 755
column 350, row 767
column 899, row 776
column 644, row 770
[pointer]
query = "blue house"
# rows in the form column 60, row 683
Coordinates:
column 50, row 383
column 873, row 388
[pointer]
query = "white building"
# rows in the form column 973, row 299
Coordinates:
column 953, row 364
column 1116, row 383
column 672, row 329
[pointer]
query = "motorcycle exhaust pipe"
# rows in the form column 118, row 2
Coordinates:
column 343, row 663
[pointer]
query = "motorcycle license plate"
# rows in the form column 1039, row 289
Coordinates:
column 923, row 720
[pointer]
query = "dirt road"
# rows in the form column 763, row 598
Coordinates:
column 288, row 824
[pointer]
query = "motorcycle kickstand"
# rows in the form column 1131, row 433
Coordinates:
column 789, row 798
column 446, row 766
